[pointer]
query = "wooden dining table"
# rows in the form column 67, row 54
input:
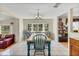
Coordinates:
column 30, row 41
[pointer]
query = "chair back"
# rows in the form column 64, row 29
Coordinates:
column 39, row 41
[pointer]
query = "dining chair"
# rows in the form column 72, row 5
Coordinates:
column 39, row 43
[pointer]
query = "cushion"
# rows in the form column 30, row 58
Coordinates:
column 1, row 42
column 8, row 36
column 8, row 39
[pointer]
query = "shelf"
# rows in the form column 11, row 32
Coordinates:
column 62, row 31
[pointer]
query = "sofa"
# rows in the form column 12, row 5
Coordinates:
column 0, row 35
column 7, row 41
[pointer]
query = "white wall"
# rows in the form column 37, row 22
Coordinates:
column 55, row 28
column 20, row 30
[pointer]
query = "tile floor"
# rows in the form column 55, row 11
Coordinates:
column 65, row 44
column 20, row 49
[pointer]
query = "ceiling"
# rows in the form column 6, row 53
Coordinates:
column 29, row 10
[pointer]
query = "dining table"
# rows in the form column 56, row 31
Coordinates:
column 30, row 41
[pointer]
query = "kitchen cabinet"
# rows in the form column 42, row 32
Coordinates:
column 74, row 47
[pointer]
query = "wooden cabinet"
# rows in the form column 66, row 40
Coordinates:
column 74, row 47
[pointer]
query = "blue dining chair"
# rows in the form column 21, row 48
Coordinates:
column 39, row 43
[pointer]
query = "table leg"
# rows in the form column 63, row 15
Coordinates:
column 49, row 49
column 28, row 49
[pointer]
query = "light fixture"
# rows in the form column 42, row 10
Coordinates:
column 11, row 23
column 56, row 5
column 38, row 17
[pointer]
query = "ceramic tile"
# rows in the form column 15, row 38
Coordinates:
column 20, row 49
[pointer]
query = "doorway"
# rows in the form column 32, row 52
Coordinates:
column 62, row 29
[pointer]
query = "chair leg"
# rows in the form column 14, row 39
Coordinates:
column 44, row 52
column 34, row 52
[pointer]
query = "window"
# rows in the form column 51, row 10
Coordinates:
column 38, row 27
column 46, row 27
column 29, row 27
column 35, row 27
column 75, row 25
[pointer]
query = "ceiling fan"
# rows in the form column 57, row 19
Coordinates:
column 56, row 5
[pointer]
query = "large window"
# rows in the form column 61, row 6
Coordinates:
column 5, row 29
column 38, row 27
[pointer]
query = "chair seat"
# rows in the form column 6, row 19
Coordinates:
column 39, row 49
